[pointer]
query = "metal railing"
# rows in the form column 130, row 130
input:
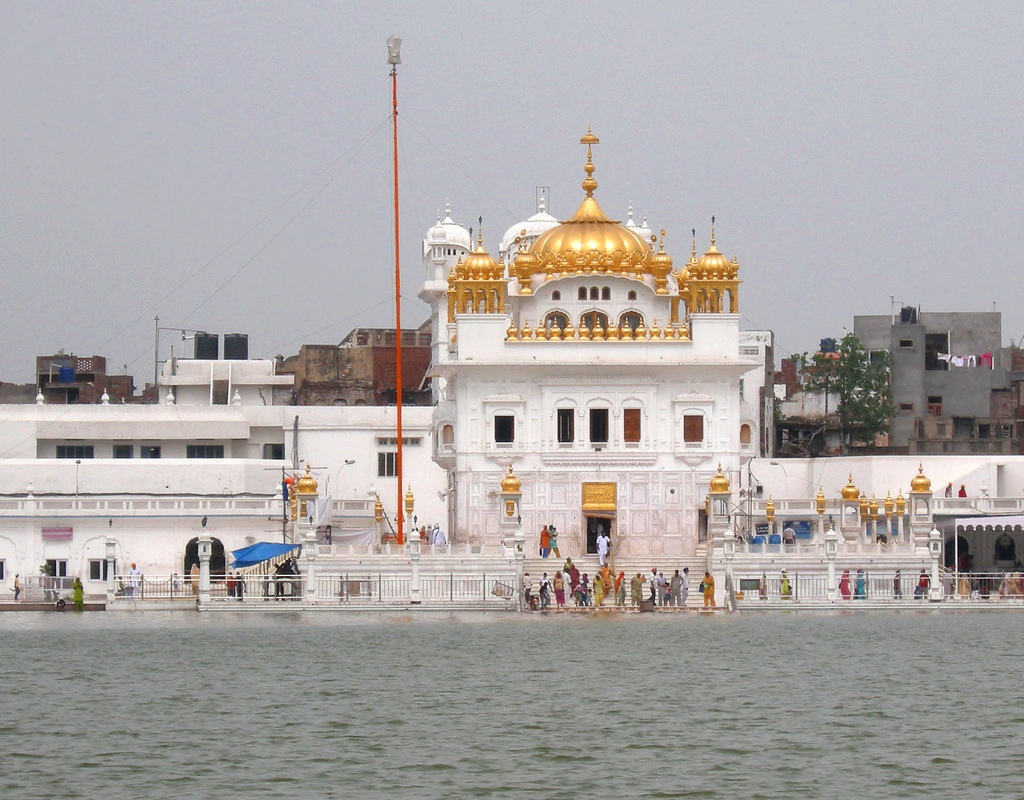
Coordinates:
column 877, row 586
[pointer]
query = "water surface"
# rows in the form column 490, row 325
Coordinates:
column 185, row 705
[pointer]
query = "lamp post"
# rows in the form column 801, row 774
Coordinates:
column 347, row 463
column 410, row 503
column 111, row 554
column 205, row 548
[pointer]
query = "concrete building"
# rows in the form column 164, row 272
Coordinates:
column 949, row 375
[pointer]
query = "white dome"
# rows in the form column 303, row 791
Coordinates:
column 448, row 232
column 528, row 229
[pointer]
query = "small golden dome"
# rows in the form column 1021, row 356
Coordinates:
column 921, row 482
column 481, row 265
column 819, row 502
column 510, row 483
column 307, row 484
column 850, row 491
column 719, row 483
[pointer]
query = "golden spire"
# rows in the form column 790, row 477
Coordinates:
column 589, row 184
column 693, row 245
column 480, row 234
column 712, row 230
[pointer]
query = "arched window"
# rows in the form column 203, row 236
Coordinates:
column 556, row 295
column 593, row 293
column 556, row 318
column 582, row 294
column 745, row 434
column 631, row 295
column 606, row 293
column 447, row 436
column 594, row 319
column 630, row 320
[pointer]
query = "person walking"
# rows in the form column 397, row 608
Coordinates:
column 78, row 594
column 559, row 584
column 707, row 586
column 545, row 592
column 620, row 589
column 785, row 587
column 844, row 585
column 684, row 590
column 604, row 544
column 545, row 542
column 553, row 541
column 860, row 591
column 949, row 489
column 17, row 587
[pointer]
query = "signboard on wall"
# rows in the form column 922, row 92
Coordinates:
column 57, row 534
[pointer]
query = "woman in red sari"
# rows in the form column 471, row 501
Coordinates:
column 844, row 585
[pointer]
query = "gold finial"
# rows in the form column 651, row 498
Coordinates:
column 712, row 230
column 662, row 243
column 480, row 232
column 589, row 184
column 693, row 247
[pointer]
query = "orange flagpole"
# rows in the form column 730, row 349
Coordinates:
column 398, row 308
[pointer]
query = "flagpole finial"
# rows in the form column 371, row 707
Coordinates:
column 394, row 50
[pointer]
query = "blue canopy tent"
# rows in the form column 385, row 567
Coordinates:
column 260, row 552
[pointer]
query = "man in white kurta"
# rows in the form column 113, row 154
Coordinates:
column 603, row 546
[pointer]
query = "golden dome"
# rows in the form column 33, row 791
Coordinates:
column 480, row 265
column 510, row 483
column 850, row 491
column 307, row 484
column 719, row 483
column 921, row 482
column 589, row 241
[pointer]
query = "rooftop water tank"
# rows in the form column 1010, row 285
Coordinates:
column 236, row 346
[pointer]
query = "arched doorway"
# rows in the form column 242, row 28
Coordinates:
column 217, row 559
column 960, row 548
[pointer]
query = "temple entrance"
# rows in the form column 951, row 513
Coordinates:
column 217, row 559
column 596, row 524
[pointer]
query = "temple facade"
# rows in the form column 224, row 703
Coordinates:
column 604, row 373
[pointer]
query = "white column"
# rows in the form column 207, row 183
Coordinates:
column 729, row 551
column 111, row 545
column 935, row 551
column 204, row 568
column 831, row 551
column 414, row 563
column 309, row 551
column 519, row 550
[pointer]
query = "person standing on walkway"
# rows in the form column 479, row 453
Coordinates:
column 620, row 589
column 604, row 544
column 78, row 594
column 599, row 587
column 897, row 584
column 636, row 590
column 134, row 576
column 553, row 541
column 707, row 586
column 17, row 587
column 949, row 489
column 662, row 589
column 653, row 578
column 545, row 592
column 674, row 588
column 559, row 584
column 963, row 490
column 545, row 542
column 844, row 585
column 684, row 589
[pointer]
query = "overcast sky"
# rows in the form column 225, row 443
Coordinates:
column 227, row 166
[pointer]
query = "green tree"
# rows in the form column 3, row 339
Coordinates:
column 861, row 382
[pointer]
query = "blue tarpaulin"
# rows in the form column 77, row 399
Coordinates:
column 259, row 552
